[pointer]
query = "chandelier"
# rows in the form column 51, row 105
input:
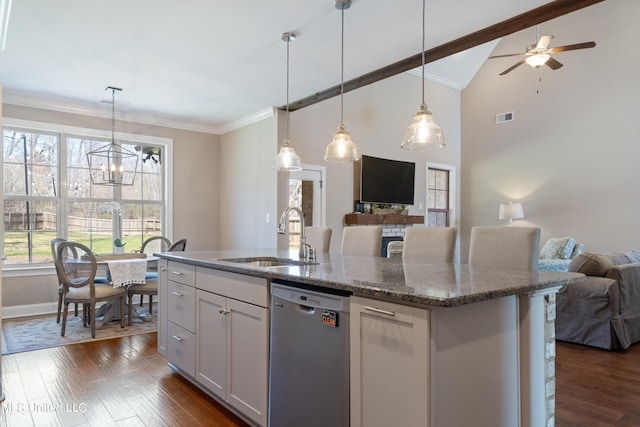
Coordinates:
column 112, row 164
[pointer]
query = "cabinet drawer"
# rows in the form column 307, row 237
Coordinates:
column 254, row 290
column 181, row 348
column 182, row 273
column 181, row 305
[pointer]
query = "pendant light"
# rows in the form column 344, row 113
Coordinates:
column 112, row 164
column 342, row 149
column 423, row 133
column 287, row 159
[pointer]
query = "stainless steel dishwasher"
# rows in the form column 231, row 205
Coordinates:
column 309, row 363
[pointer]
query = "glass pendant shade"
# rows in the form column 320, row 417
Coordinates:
column 287, row 159
column 342, row 149
column 423, row 133
column 538, row 60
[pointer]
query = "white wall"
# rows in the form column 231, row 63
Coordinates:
column 571, row 155
column 376, row 116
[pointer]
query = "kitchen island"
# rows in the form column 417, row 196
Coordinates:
column 431, row 345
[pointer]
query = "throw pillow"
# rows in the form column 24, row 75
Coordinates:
column 577, row 250
column 591, row 264
column 558, row 247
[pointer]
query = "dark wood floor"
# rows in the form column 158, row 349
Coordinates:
column 116, row 382
column 125, row 382
column 597, row 387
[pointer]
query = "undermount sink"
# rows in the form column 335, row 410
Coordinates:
column 267, row 261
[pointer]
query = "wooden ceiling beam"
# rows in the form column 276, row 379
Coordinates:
column 525, row 20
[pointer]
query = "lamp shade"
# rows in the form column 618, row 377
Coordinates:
column 511, row 211
column 287, row 159
column 423, row 133
column 341, row 148
column 538, row 60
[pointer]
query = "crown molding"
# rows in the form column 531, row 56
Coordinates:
column 154, row 120
column 436, row 79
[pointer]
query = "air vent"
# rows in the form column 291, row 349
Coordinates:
column 504, row 117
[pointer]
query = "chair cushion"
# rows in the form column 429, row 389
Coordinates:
column 151, row 275
column 558, row 247
column 103, row 292
column 591, row 264
column 150, row 286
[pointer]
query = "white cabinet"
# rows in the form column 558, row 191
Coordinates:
column 179, row 299
column 162, row 307
column 232, row 340
column 390, row 364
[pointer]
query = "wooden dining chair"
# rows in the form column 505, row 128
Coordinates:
column 78, row 268
column 149, row 247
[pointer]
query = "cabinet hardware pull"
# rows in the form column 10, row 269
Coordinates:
column 377, row 310
column 223, row 311
column 178, row 294
column 177, row 338
column 177, row 273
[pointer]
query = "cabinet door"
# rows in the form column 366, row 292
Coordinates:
column 389, row 355
column 162, row 307
column 211, row 342
column 248, row 359
column 181, row 348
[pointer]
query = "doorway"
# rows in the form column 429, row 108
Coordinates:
column 307, row 192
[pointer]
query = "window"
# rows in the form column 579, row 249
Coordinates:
column 438, row 210
column 47, row 192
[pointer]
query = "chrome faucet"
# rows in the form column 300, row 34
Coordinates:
column 306, row 252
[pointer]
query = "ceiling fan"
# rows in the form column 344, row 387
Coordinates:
column 539, row 54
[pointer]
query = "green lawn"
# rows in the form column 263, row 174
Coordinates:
column 16, row 250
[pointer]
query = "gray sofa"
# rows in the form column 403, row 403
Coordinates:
column 604, row 310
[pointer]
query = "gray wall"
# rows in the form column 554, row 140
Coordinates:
column 571, row 154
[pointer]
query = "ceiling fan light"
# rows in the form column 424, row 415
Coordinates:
column 538, row 60
column 423, row 133
column 341, row 148
column 287, row 159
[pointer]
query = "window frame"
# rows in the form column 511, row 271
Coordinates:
column 64, row 131
column 451, row 192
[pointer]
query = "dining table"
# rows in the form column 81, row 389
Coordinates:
column 123, row 270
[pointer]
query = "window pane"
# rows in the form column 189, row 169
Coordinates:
column 431, row 203
column 29, row 227
column 441, row 200
column 441, row 180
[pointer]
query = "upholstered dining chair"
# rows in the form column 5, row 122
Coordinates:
column 319, row 238
column 506, row 247
column 362, row 240
column 178, row 246
column 149, row 247
column 54, row 245
column 429, row 244
column 78, row 268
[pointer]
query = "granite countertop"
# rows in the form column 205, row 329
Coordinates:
column 437, row 285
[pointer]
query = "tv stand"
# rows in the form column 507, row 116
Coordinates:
column 373, row 219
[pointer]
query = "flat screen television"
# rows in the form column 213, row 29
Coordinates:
column 386, row 181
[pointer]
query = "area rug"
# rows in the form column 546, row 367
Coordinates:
column 37, row 332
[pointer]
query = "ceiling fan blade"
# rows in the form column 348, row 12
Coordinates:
column 507, row 55
column 544, row 42
column 513, row 67
column 576, row 46
column 553, row 64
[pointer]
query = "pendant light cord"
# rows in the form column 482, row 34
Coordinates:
column 342, row 73
column 423, row 37
column 113, row 116
column 288, row 41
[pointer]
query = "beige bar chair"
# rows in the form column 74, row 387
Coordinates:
column 319, row 238
column 362, row 240
column 508, row 247
column 429, row 244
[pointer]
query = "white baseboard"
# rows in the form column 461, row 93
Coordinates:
column 29, row 310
